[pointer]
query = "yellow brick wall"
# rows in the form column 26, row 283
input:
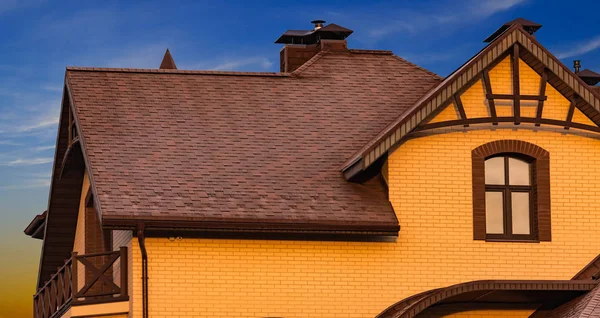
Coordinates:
column 430, row 189
column 449, row 113
column 579, row 117
column 474, row 101
column 556, row 106
column 501, row 77
column 529, row 84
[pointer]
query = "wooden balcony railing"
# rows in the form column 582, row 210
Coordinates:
column 99, row 274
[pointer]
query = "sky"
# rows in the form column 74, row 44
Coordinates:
column 40, row 38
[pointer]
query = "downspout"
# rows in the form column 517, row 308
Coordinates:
column 142, row 242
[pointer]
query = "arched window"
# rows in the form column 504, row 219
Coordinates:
column 511, row 192
column 509, row 197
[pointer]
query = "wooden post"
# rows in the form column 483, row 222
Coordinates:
column 540, row 108
column 488, row 90
column 516, row 85
column 124, row 272
column 74, row 280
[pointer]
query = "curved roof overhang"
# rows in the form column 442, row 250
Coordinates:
column 517, row 293
column 37, row 226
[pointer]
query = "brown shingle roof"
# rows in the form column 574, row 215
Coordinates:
column 585, row 306
column 227, row 148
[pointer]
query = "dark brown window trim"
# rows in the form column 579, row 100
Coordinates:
column 506, row 189
column 541, row 175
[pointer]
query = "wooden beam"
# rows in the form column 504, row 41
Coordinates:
column 461, row 109
column 571, row 111
column 488, row 89
column 540, row 106
column 489, row 120
column 520, row 97
column 516, row 85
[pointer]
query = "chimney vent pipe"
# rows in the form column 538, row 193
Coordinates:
column 318, row 24
column 577, row 65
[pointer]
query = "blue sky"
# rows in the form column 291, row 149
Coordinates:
column 41, row 37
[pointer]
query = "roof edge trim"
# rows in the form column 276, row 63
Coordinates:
column 174, row 71
column 243, row 225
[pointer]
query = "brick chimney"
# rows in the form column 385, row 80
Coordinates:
column 302, row 45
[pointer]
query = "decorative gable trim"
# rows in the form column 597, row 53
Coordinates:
column 514, row 37
column 64, row 197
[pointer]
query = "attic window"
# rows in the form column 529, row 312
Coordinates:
column 511, row 192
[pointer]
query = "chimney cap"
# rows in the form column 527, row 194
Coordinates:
column 589, row 77
column 331, row 31
column 529, row 26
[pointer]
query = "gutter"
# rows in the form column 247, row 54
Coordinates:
column 142, row 242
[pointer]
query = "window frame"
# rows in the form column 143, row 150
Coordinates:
column 507, row 189
column 540, row 171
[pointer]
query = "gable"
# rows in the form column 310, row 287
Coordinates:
column 64, row 197
column 513, row 42
column 556, row 106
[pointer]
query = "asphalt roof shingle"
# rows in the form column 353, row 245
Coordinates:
column 243, row 147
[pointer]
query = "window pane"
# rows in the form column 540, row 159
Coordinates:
column 520, row 212
column 494, row 220
column 518, row 172
column 494, row 170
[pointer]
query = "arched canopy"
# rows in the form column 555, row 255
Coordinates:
column 517, row 293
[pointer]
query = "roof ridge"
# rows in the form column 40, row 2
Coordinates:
column 417, row 66
column 174, row 71
column 364, row 51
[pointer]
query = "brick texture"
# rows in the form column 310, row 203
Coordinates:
column 449, row 113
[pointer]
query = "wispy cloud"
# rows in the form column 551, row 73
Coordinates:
column 437, row 56
column 9, row 143
column 10, row 5
column 580, row 48
column 42, row 148
column 43, row 115
column 490, row 7
column 459, row 14
column 30, row 184
column 27, row 162
column 50, row 120
column 52, row 87
column 143, row 56
column 229, row 65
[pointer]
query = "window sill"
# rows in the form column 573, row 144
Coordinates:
column 512, row 240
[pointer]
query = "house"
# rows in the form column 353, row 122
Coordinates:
column 353, row 183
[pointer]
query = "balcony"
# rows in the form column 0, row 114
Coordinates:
column 98, row 278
